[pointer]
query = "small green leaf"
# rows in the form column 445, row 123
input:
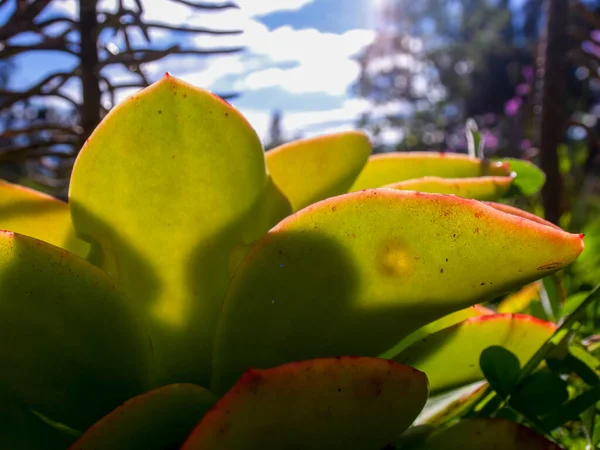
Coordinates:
column 309, row 170
column 571, row 364
column 159, row 419
column 539, row 394
column 333, row 403
column 529, row 178
column 387, row 168
column 501, row 368
column 475, row 140
column 572, row 409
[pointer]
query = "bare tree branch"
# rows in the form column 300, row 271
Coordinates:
column 11, row 97
column 53, row 44
column 148, row 55
column 194, row 30
column 207, row 6
column 9, row 134
column 21, row 19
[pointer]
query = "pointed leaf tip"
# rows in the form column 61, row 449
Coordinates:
column 323, row 279
column 332, row 403
column 176, row 135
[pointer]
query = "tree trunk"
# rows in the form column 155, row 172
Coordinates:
column 90, row 84
column 553, row 105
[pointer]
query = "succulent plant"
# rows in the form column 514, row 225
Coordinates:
column 196, row 293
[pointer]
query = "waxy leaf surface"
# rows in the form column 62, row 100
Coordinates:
column 477, row 434
column 442, row 408
column 71, row 348
column 337, row 403
column 389, row 168
column 354, row 274
column 157, row 420
column 170, row 189
column 313, row 169
column 437, row 325
column 460, row 347
column 480, row 188
column 38, row 215
column 518, row 302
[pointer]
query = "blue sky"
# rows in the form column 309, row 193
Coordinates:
column 298, row 58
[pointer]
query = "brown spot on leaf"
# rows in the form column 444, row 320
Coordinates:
column 549, row 266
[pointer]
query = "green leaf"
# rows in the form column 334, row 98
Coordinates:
column 480, row 188
column 159, row 419
column 313, row 169
column 478, row 434
column 520, row 213
column 38, row 215
column 337, row 403
column 437, row 325
column 529, row 178
column 501, row 369
column 73, row 349
column 571, row 364
column 475, row 140
column 443, row 408
column 519, row 301
column 171, row 189
column 539, row 394
column 20, row 429
column 572, row 409
column 354, row 274
column 387, row 168
column 461, row 346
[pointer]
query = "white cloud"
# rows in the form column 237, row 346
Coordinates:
column 309, row 123
column 264, row 7
column 298, row 61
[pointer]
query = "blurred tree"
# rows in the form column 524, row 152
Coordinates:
column 275, row 137
column 436, row 62
column 68, row 104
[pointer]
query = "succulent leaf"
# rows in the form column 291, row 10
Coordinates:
column 443, row 408
column 437, row 325
column 170, row 190
column 32, row 213
column 460, row 347
column 476, row 434
column 387, row 168
column 72, row 349
column 480, row 188
column 159, row 419
column 356, row 273
column 313, row 169
column 337, row 403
